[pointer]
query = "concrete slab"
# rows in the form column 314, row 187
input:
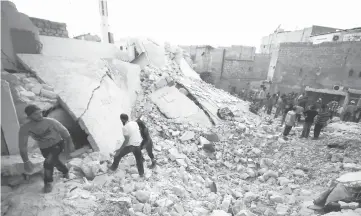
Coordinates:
column 211, row 98
column 141, row 60
column 155, row 53
column 126, row 76
column 12, row 165
column 176, row 105
column 187, row 70
column 9, row 119
column 87, row 93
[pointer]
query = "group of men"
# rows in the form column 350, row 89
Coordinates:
column 53, row 139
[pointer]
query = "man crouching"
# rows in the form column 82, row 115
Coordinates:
column 52, row 138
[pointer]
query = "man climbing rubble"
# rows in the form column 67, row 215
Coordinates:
column 320, row 121
column 147, row 142
column 132, row 142
column 52, row 138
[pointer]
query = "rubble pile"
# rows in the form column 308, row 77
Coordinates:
column 240, row 166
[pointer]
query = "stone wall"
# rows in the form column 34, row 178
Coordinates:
column 318, row 66
column 236, row 69
column 50, row 28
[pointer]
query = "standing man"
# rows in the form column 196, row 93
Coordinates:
column 52, row 138
column 350, row 112
column 132, row 141
column 290, row 121
column 321, row 121
column 270, row 103
column 309, row 118
column 147, row 142
column 281, row 103
column 299, row 110
column 333, row 107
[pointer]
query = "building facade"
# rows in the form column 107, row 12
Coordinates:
column 327, row 65
column 338, row 36
column 271, row 42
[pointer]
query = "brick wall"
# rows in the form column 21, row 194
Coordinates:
column 319, row 66
column 234, row 69
column 50, row 28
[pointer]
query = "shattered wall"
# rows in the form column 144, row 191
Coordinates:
column 56, row 46
column 88, row 93
column 15, row 30
column 50, row 28
column 318, row 66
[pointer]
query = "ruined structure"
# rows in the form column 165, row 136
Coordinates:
column 50, row 28
column 326, row 65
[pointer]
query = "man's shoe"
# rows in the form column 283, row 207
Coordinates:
column 48, row 187
column 152, row 165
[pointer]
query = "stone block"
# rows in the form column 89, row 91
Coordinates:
column 176, row 105
column 48, row 94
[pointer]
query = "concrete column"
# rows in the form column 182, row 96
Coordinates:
column 9, row 119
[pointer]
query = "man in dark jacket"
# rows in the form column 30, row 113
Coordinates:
column 147, row 142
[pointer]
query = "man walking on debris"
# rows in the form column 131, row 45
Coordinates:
column 290, row 121
column 270, row 103
column 320, row 121
column 147, row 142
column 132, row 141
column 52, row 138
column 281, row 103
column 309, row 118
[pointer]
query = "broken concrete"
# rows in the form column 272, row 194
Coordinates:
column 187, row 70
column 13, row 165
column 176, row 105
column 9, row 120
column 154, row 53
column 87, row 93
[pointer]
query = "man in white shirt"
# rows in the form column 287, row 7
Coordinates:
column 132, row 141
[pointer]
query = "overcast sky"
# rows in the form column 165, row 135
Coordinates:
column 186, row 22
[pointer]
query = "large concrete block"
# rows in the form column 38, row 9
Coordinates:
column 88, row 93
column 176, row 105
column 155, row 53
column 9, row 119
column 126, row 76
column 13, row 165
column 187, row 70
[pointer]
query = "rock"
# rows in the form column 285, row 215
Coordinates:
column 336, row 158
column 203, row 141
column 244, row 176
column 209, row 147
column 188, row 135
column 256, row 151
column 212, row 137
column 37, row 89
column 140, row 214
column 249, row 197
column 147, row 209
column 48, row 94
column 351, row 205
column 179, row 191
column 276, row 199
column 283, row 181
column 90, row 169
column 220, row 213
column 245, row 213
column 213, row 187
column 270, row 174
column 299, row 172
column 251, row 173
column 282, row 209
column 138, row 207
column 102, row 180
column 142, row 196
column 226, row 202
column 352, row 177
column 351, row 166
column 179, row 208
column 164, row 202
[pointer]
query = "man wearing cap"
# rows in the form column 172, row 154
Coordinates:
column 52, row 138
